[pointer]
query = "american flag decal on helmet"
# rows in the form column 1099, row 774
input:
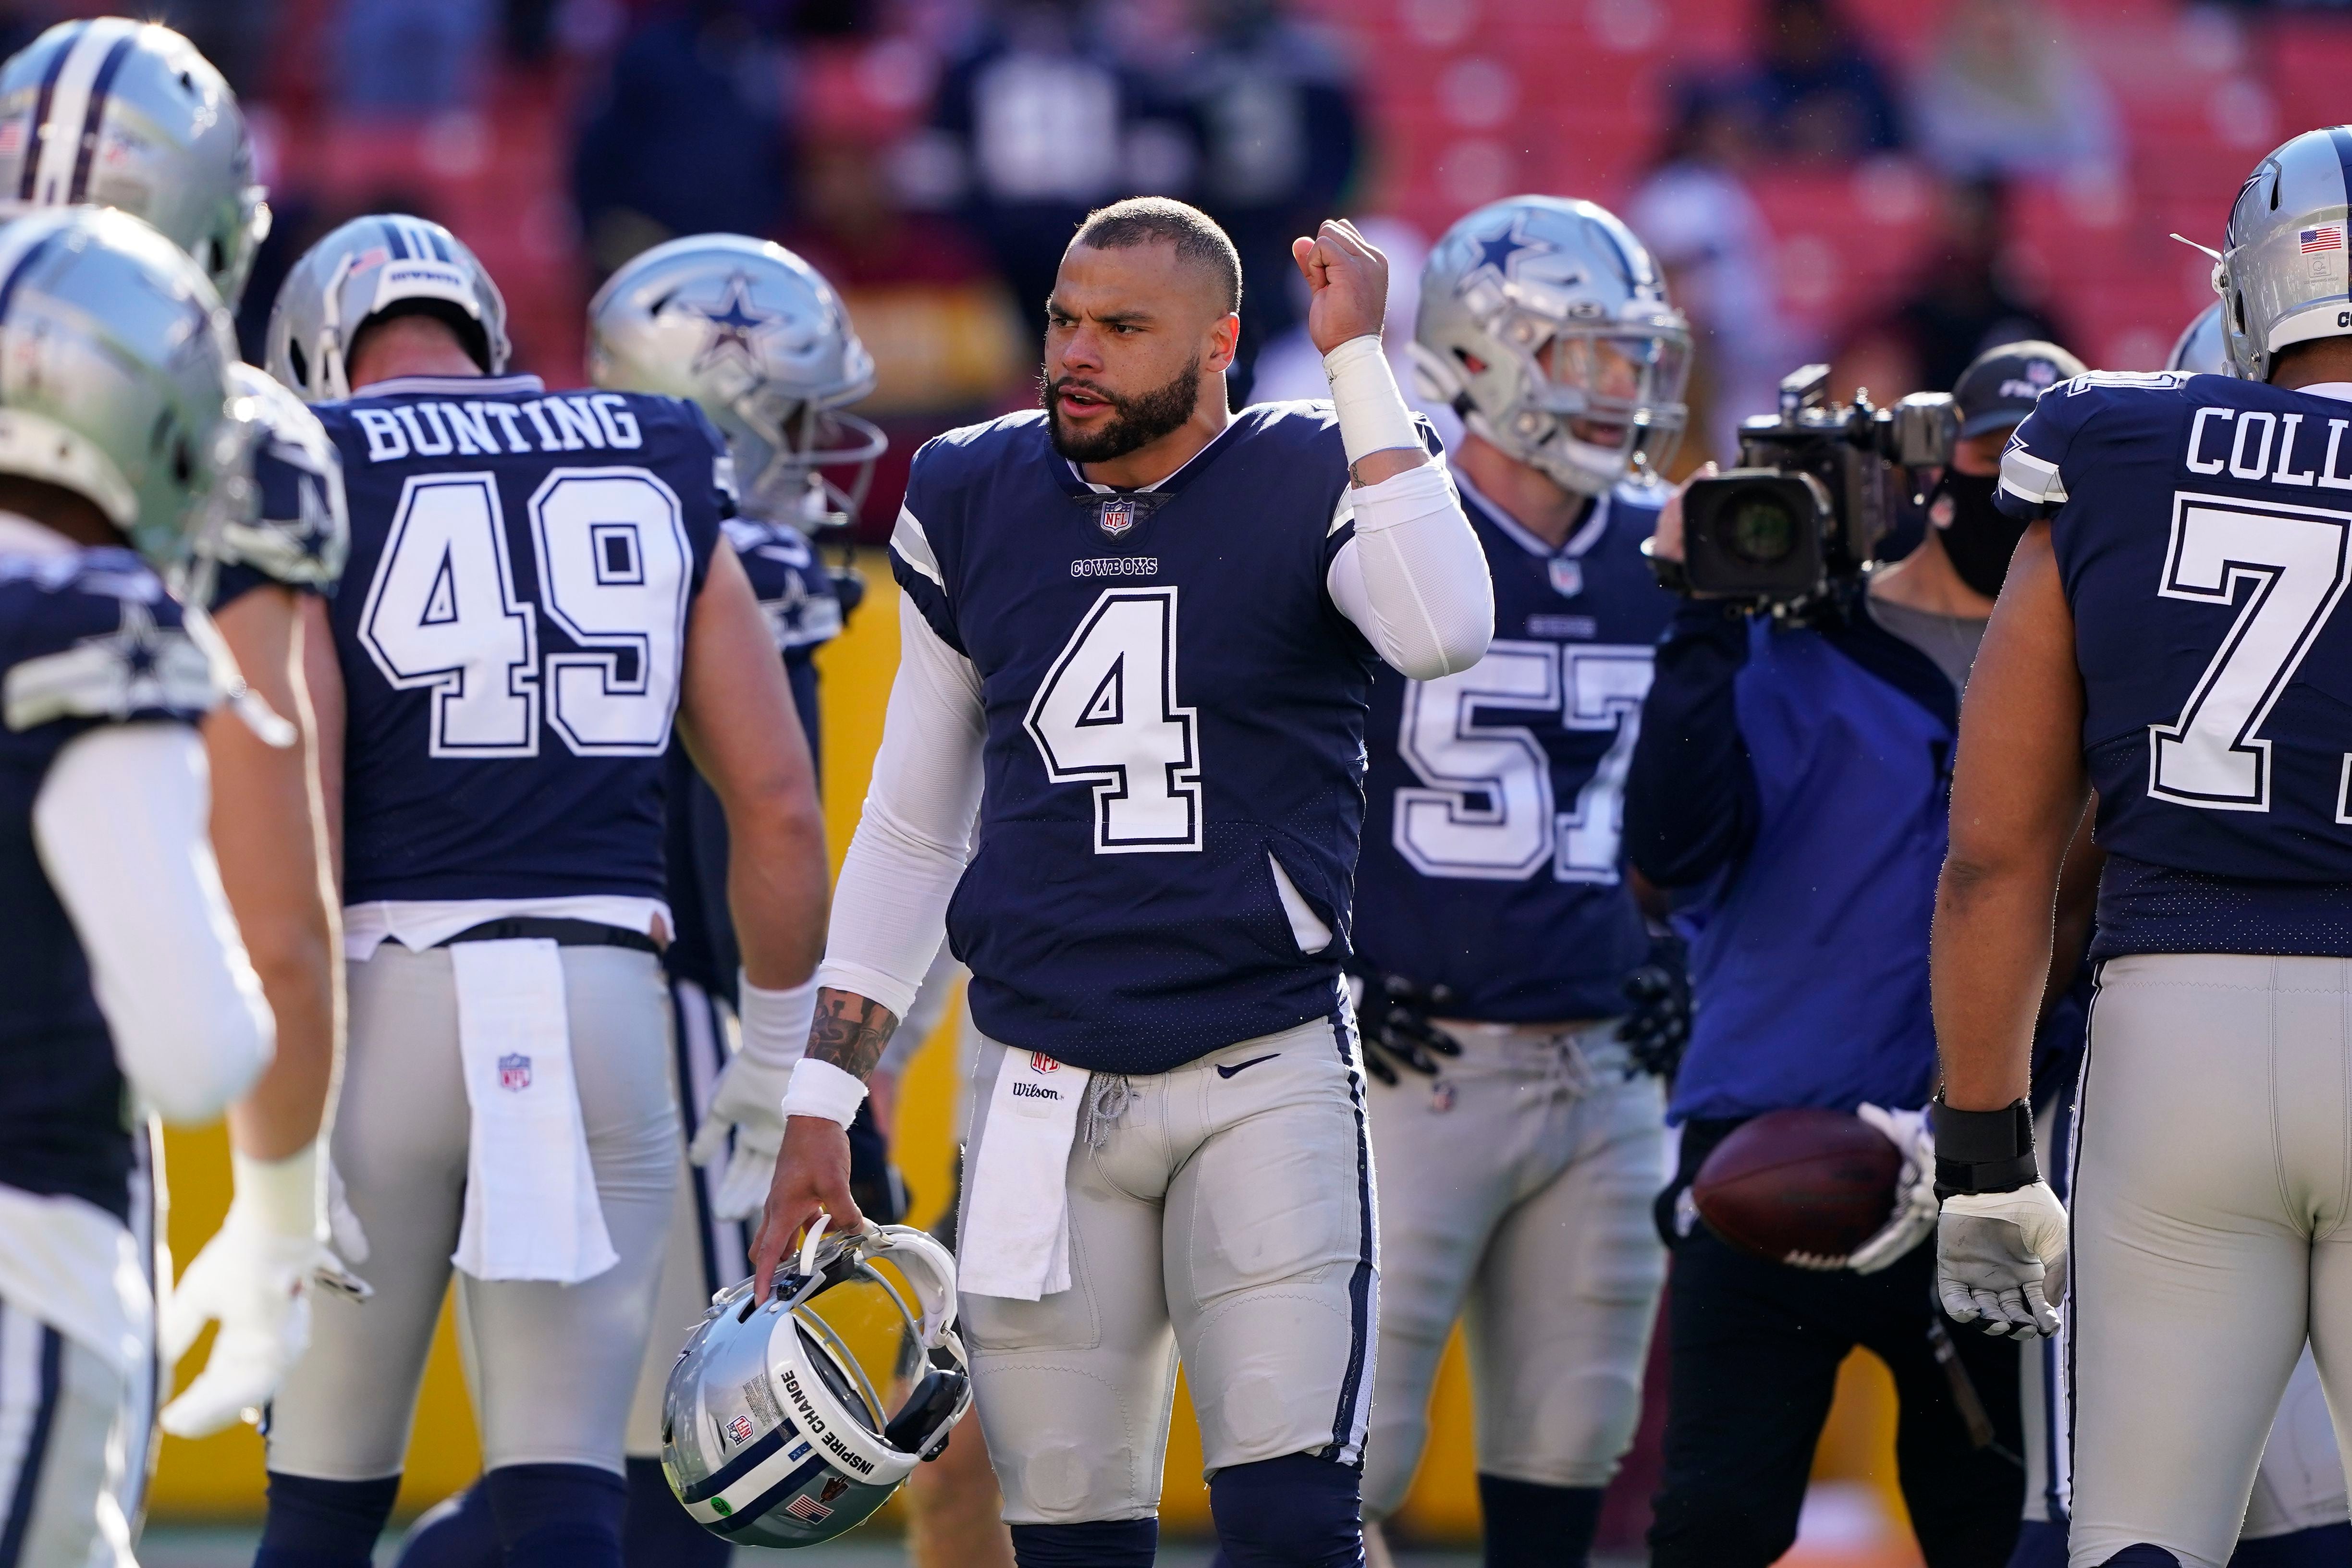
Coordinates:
column 808, row 1510
column 2326, row 236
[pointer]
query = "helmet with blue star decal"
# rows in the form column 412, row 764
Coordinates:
column 370, row 268
column 1545, row 324
column 116, row 383
column 754, row 335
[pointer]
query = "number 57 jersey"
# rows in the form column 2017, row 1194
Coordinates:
column 511, row 630
column 2202, row 526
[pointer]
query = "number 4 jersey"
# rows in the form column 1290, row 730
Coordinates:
column 512, row 632
column 1491, row 858
column 1173, row 760
column 2202, row 527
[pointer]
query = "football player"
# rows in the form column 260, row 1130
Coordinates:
column 757, row 340
column 541, row 592
column 2296, row 1516
column 128, row 114
column 2169, row 638
column 123, row 969
column 1515, row 1180
column 1150, row 626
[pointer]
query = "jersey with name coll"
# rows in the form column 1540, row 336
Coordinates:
column 1491, row 861
column 87, row 639
column 512, row 632
column 1175, row 708
column 2203, row 532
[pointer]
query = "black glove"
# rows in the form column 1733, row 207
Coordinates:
column 849, row 587
column 1393, row 1018
column 1658, row 1025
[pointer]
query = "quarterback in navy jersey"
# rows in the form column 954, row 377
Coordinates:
column 1493, row 911
column 2171, row 644
column 1137, row 640
column 540, row 596
column 124, row 989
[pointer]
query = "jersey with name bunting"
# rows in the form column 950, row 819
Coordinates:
column 1491, row 860
column 87, row 639
column 2203, row 533
column 1175, row 731
column 512, row 632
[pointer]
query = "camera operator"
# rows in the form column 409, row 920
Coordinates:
column 1791, row 785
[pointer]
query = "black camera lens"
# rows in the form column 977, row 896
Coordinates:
column 1760, row 529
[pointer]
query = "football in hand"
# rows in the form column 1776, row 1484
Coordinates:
column 1800, row 1186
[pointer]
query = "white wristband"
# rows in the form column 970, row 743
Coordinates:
column 288, row 1196
column 821, row 1089
column 1372, row 415
column 775, row 1023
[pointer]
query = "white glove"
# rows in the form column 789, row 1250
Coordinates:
column 254, row 1276
column 748, row 1099
column 2001, row 1257
column 1913, row 1219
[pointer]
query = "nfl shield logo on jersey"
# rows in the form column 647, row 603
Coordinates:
column 1567, row 576
column 514, row 1071
column 1117, row 517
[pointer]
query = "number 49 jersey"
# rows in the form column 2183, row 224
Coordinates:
column 1491, row 860
column 512, row 632
column 2203, row 533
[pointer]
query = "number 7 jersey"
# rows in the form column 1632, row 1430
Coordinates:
column 511, row 630
column 2202, row 526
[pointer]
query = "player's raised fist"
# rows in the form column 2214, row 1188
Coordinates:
column 1348, row 280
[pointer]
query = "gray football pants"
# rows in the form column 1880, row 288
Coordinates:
column 1514, row 1194
column 62, row 1453
column 1223, row 1211
column 2213, row 1180
column 550, row 1366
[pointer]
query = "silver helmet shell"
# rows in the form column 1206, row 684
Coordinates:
column 757, row 338
column 365, row 268
column 116, row 382
column 2282, row 276
column 1545, row 324
column 128, row 114
column 772, row 1434
column 2202, row 349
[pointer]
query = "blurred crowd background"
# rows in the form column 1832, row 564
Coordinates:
column 1887, row 184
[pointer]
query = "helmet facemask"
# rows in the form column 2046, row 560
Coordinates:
column 1596, row 400
column 791, row 442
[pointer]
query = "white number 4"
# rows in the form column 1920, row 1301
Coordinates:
column 1106, row 713
column 2294, row 564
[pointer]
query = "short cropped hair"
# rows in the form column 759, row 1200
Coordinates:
column 1146, row 220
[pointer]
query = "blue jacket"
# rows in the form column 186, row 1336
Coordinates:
column 1793, row 786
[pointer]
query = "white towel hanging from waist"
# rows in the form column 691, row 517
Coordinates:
column 1015, row 1236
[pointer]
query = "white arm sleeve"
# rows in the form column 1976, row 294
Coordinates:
column 121, row 825
column 889, row 911
column 1413, row 578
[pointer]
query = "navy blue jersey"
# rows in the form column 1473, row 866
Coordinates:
column 2203, row 532
column 1492, row 860
column 513, row 633
column 796, row 594
column 1174, row 706
column 86, row 640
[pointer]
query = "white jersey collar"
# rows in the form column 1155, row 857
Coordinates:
column 463, row 385
column 1587, row 535
column 1214, row 442
column 2341, row 391
column 20, row 535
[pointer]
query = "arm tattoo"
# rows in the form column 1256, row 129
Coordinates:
column 850, row 1031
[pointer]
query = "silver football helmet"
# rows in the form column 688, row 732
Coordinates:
column 115, row 384
column 1545, row 324
column 754, row 335
column 2283, row 273
column 2202, row 351
column 773, row 1433
column 128, row 114
column 368, row 266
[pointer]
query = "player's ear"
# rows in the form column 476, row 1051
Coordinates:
column 1225, row 342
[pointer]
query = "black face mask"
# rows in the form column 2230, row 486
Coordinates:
column 1981, row 538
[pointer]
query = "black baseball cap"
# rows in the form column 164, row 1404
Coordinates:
column 2000, row 384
